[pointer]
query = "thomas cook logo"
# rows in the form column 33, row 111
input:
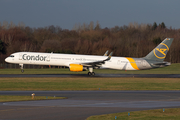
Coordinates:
column 161, row 51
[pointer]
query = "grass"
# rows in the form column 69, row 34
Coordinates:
column 39, row 84
column 10, row 98
column 158, row 114
column 172, row 69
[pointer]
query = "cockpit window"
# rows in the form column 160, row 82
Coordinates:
column 11, row 56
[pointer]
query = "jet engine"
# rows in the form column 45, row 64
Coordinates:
column 76, row 68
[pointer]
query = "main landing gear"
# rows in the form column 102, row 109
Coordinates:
column 21, row 66
column 91, row 73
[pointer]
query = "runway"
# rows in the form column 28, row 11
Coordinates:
column 97, row 75
column 81, row 104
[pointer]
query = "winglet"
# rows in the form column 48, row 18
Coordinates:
column 110, row 54
column 105, row 54
column 109, row 57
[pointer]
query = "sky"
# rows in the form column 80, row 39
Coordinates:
column 109, row 13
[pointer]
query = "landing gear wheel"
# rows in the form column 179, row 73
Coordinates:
column 91, row 73
column 22, row 71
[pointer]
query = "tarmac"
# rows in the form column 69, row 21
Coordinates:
column 97, row 75
column 82, row 104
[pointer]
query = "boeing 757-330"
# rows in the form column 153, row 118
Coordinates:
column 77, row 63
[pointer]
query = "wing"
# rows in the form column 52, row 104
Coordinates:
column 97, row 63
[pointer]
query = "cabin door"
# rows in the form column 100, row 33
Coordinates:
column 48, row 58
column 144, row 63
column 118, row 62
column 20, row 56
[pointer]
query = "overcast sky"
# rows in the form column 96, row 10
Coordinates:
column 109, row 13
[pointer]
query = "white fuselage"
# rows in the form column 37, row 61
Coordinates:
column 35, row 58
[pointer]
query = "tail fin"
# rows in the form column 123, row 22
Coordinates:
column 160, row 52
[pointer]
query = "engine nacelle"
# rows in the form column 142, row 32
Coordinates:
column 76, row 68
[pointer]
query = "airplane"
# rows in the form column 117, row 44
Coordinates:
column 77, row 63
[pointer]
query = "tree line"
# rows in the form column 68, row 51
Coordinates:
column 133, row 40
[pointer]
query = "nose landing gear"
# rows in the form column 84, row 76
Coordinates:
column 21, row 66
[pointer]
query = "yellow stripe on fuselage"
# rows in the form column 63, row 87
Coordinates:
column 133, row 63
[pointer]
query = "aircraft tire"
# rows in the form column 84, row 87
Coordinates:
column 22, row 71
column 89, row 73
column 93, row 73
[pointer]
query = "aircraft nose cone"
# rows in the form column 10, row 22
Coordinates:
column 6, row 59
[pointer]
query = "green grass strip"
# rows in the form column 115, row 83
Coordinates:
column 39, row 84
column 10, row 98
column 158, row 114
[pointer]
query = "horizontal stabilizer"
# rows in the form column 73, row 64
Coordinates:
column 163, row 63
